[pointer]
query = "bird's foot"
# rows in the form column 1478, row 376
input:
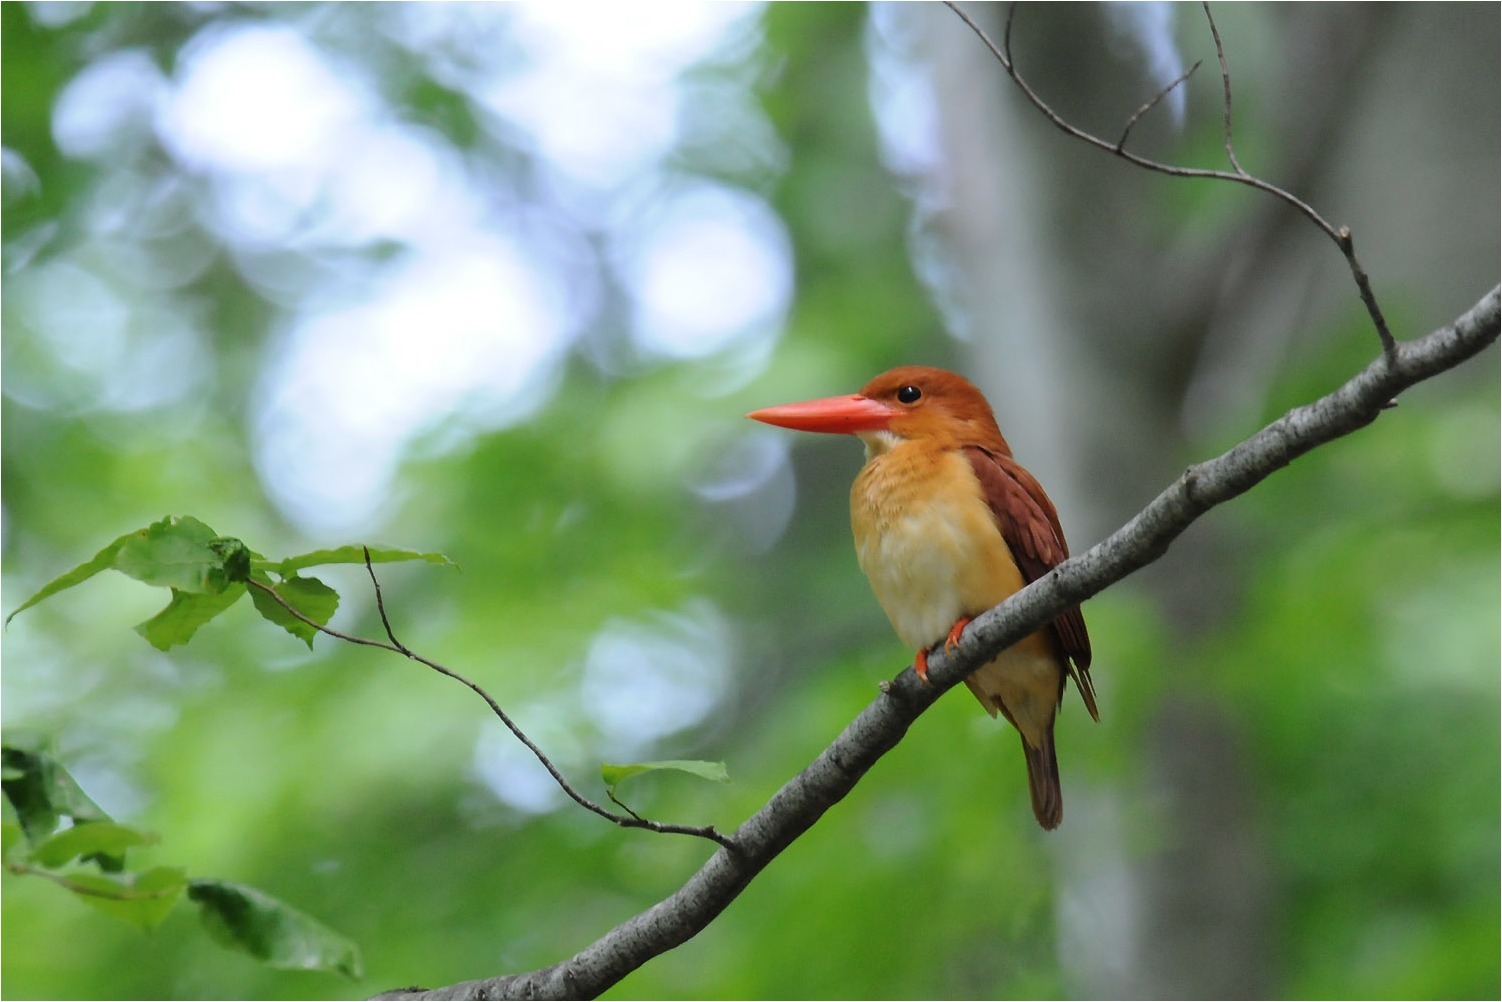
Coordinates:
column 953, row 640
column 920, row 665
column 920, row 660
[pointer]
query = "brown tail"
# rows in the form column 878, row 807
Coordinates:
column 1043, row 782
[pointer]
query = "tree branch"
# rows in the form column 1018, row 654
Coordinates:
column 794, row 808
column 799, row 804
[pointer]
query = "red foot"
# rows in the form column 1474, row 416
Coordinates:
column 920, row 660
column 953, row 640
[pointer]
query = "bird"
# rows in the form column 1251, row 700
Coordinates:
column 947, row 524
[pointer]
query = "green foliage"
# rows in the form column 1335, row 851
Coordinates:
column 182, row 554
column 141, row 898
column 309, row 596
column 614, row 775
column 207, row 574
column 289, row 567
column 105, row 839
column 102, row 561
column 187, row 611
column 88, row 858
column 42, row 794
column 243, row 918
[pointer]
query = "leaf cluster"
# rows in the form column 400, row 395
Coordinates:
column 61, row 835
column 53, row 831
column 208, row 573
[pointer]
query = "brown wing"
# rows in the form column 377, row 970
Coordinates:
column 1030, row 525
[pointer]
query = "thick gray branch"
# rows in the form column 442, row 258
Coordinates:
column 878, row 728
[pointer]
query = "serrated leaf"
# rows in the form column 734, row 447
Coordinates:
column 243, row 918
column 187, row 611
column 180, row 553
column 309, row 596
column 43, row 793
column 90, row 838
column 142, row 899
column 101, row 561
column 614, row 775
column 352, row 555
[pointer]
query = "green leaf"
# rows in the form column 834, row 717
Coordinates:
column 182, row 553
column 614, row 775
column 90, row 838
column 351, row 555
column 234, row 556
column 309, row 596
column 43, row 793
column 187, row 611
column 101, row 561
column 142, row 899
column 243, row 918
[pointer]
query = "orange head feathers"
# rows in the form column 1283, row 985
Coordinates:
column 910, row 402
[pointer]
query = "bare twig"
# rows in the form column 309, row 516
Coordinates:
column 617, row 802
column 1340, row 236
column 395, row 646
column 1225, row 86
column 1153, row 103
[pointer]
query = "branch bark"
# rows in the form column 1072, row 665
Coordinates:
column 800, row 803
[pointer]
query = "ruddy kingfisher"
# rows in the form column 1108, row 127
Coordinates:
column 947, row 525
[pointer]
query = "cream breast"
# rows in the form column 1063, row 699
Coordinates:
column 917, row 518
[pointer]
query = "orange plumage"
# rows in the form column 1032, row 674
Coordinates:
column 946, row 526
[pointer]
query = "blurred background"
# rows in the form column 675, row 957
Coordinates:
column 500, row 281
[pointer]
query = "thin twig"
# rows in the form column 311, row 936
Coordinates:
column 617, row 802
column 1341, row 236
column 1150, row 105
column 397, row 647
column 375, row 583
column 1225, row 86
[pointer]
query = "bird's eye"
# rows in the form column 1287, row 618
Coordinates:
column 909, row 395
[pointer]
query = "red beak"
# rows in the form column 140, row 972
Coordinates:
column 835, row 415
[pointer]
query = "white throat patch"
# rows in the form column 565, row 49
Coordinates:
column 879, row 443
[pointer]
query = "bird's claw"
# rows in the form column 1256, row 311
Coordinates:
column 953, row 640
column 920, row 660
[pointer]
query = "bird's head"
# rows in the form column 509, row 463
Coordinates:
column 909, row 403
